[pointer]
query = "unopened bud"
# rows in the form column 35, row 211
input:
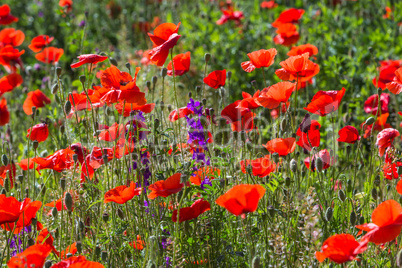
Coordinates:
column 328, row 214
column 67, row 107
column 154, row 79
column 353, row 218
column 105, row 217
column 55, row 88
column 68, row 200
column 293, row 165
column 374, row 194
column 35, row 144
column 164, row 72
column 319, row 164
column 63, row 183
column 370, row 120
column 104, row 256
column 287, row 181
column 4, row 159
column 207, row 57
column 79, row 246
column 54, row 212
column 75, row 157
column 48, row 264
column 229, row 74
column 83, row 78
column 204, row 101
column 113, row 61
column 128, row 66
column 7, row 184
column 156, row 123
column 341, row 195
column 58, row 71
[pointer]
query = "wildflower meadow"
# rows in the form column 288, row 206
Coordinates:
column 209, row 133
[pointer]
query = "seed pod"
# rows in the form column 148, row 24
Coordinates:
column 120, row 213
column 104, row 256
column 79, row 246
column 229, row 74
column 256, row 262
column 164, row 72
column 148, row 83
column 207, row 57
column 293, row 165
column 341, row 195
column 329, row 214
column 377, row 181
column 113, row 61
column 83, row 78
column 353, row 218
column 370, row 121
column 374, row 194
column 154, row 79
column 63, row 183
column 55, row 88
column 156, row 123
column 67, row 107
column 348, row 149
column 54, row 212
column 319, row 164
column 35, row 144
column 68, row 199
column 128, row 66
column 4, row 159
column 379, row 91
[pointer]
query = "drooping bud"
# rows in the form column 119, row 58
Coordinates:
column 229, row 74
column 4, row 159
column 128, row 66
column 113, row 61
column 75, row 157
column 370, row 121
column 67, row 107
column 341, row 195
column 374, row 194
column 55, row 88
column 79, row 246
column 148, row 83
column 328, row 214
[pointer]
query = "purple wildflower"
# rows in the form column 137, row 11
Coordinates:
column 206, row 181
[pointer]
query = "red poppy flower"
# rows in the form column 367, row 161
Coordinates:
column 248, row 101
column 45, row 238
column 164, row 38
column 50, row 55
column 274, row 95
column 39, row 132
column 233, row 112
column 282, row 109
column 390, row 171
column 311, row 137
column 88, row 58
column 298, row 67
column 8, row 171
column 146, row 108
column 300, row 50
column 9, row 54
column 167, row 187
column 59, row 161
column 181, row 64
column 11, row 208
column 380, row 124
column 10, row 36
column 5, row 15
column 216, row 79
column 122, row 194
column 348, row 134
column 34, row 256
column 183, row 112
column 325, row 102
column 371, row 104
column 28, row 212
column 40, row 42
column 281, row 146
column 259, row 59
column 112, row 133
column 66, row 4
column 341, row 248
column 188, row 213
column 35, row 99
column 241, row 199
column 327, row 160
column 385, row 139
column 386, row 223
column 4, row 113
column 72, row 249
column 287, row 35
column 260, row 167
column 268, row 4
column 209, row 172
column 24, row 164
column 246, row 122
column 139, row 244
column 396, row 85
column 387, row 72
column 291, row 15
column 77, row 262
column 94, row 160
column 9, row 82
column 230, row 14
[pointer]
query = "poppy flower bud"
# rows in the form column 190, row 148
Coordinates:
column 370, row 121
column 256, row 262
column 287, row 181
column 293, row 165
column 377, row 180
column 361, row 220
column 75, row 157
column 7, row 184
column 4, row 159
column 33, row 109
column 328, row 214
column 55, row 88
column 341, row 195
column 68, row 200
column 154, row 79
column 105, row 217
column 54, row 212
column 349, row 185
column 164, row 72
column 169, row 107
column 374, row 194
column 79, row 246
column 353, row 218
column 104, row 256
column 48, row 264
column 148, row 83
column 156, row 123
column 204, row 101
column 207, row 57
column 120, row 213
column 67, row 107
column 26, row 192
column 379, row 91
column 222, row 92
column 128, row 66
column 212, row 111
column 319, row 164
column 97, row 251
column 229, row 74
column 83, row 78
column 113, row 61
column 58, row 71
column 198, row 90
column 190, row 95
column 283, row 124
column 35, row 144
column 63, row 183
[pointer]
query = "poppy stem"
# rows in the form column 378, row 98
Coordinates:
column 263, row 75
